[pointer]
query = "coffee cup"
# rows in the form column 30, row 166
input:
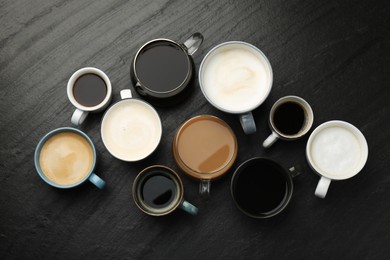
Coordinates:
column 89, row 90
column 236, row 77
column 262, row 188
column 65, row 158
column 291, row 117
column 131, row 128
column 158, row 191
column 336, row 150
column 205, row 148
column 162, row 69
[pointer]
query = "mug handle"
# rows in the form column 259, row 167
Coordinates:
column 97, row 181
column 126, row 93
column 204, row 188
column 322, row 187
column 189, row 208
column 192, row 44
column 248, row 123
column 78, row 117
column 271, row 139
column 295, row 170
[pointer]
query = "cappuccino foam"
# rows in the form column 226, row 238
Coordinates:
column 66, row 158
column 336, row 151
column 236, row 78
column 131, row 130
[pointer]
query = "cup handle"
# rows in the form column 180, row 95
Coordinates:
column 78, row 117
column 204, row 188
column 189, row 208
column 139, row 89
column 271, row 139
column 295, row 170
column 248, row 123
column 192, row 44
column 322, row 187
column 97, row 181
column 126, row 93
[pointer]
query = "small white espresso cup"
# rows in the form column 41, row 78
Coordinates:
column 336, row 150
column 236, row 77
column 82, row 111
column 291, row 117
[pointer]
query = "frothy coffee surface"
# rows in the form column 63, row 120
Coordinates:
column 131, row 130
column 235, row 78
column 66, row 158
column 336, row 151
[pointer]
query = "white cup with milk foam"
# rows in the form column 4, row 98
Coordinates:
column 236, row 77
column 131, row 129
column 336, row 150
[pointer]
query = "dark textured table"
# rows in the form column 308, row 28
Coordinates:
column 335, row 54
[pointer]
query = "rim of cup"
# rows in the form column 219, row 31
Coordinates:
column 81, row 72
column 359, row 136
column 306, row 107
column 166, row 40
column 146, row 170
column 209, row 53
column 131, row 100
column 47, row 137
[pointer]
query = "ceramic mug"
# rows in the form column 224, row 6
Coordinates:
column 89, row 90
column 291, row 117
column 205, row 148
column 131, row 129
column 158, row 191
column 336, row 150
column 262, row 188
column 65, row 158
column 236, row 77
column 162, row 69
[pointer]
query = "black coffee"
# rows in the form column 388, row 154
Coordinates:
column 158, row 191
column 289, row 118
column 162, row 66
column 260, row 187
column 89, row 90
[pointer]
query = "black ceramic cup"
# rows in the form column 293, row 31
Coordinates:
column 262, row 188
column 162, row 69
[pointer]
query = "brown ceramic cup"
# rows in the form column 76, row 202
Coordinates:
column 205, row 148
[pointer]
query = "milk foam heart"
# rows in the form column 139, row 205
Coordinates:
column 236, row 78
column 336, row 151
column 131, row 130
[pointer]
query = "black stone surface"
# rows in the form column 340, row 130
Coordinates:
column 335, row 54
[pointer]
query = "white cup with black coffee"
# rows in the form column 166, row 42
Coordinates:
column 236, row 77
column 291, row 117
column 89, row 90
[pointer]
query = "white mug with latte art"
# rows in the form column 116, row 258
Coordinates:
column 236, row 77
column 336, row 150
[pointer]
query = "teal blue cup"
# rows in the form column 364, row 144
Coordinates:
column 56, row 159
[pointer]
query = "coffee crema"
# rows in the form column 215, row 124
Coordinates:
column 205, row 147
column 235, row 77
column 336, row 151
column 131, row 130
column 66, row 158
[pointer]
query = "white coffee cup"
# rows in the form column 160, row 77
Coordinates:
column 279, row 133
column 236, row 77
column 336, row 150
column 82, row 111
column 131, row 129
